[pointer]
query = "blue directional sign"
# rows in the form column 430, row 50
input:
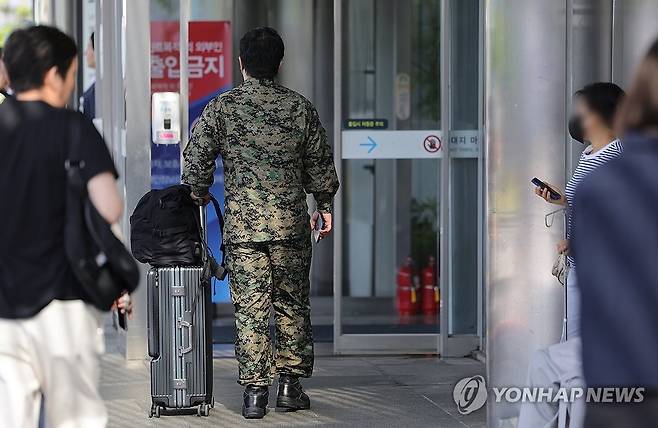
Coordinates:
column 409, row 144
column 391, row 144
column 371, row 145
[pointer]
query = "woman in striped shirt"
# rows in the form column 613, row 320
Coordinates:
column 595, row 106
column 561, row 364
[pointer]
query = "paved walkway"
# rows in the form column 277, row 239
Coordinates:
column 359, row 391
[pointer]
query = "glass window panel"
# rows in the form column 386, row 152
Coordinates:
column 465, row 199
column 390, row 206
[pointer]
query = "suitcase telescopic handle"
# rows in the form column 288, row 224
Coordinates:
column 202, row 222
column 203, row 227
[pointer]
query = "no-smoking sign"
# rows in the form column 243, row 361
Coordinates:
column 432, row 144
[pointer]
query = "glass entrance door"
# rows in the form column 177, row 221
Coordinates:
column 402, row 191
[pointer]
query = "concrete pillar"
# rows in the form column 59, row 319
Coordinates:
column 538, row 54
column 634, row 31
column 323, row 98
column 138, row 146
column 525, row 137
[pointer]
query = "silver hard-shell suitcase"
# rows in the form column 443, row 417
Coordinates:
column 180, row 330
column 179, row 340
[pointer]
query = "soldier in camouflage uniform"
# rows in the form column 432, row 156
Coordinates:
column 275, row 151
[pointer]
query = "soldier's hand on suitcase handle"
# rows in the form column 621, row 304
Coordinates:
column 327, row 223
column 200, row 200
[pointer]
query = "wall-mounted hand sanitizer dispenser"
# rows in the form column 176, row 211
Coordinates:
column 165, row 117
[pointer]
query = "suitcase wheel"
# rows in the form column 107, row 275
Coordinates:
column 203, row 410
column 155, row 411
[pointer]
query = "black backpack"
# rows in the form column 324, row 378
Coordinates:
column 165, row 230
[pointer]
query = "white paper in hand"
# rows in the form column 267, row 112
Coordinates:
column 318, row 226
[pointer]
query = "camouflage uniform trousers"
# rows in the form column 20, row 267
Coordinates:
column 265, row 275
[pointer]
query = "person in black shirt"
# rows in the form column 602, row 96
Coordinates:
column 4, row 80
column 50, row 339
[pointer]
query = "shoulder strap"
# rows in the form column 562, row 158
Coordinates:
column 73, row 153
column 72, row 163
column 220, row 218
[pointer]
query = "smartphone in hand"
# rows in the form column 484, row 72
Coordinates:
column 553, row 194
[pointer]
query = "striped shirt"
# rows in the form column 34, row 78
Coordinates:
column 588, row 162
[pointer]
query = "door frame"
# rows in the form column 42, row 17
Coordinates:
column 459, row 345
column 442, row 342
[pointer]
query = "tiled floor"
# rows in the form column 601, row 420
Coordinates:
column 354, row 391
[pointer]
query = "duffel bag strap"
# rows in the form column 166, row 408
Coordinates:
column 220, row 218
column 210, row 264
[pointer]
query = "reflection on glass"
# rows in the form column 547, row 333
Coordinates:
column 390, row 241
column 464, row 104
column 424, row 64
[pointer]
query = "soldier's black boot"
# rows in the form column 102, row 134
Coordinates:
column 291, row 396
column 255, row 401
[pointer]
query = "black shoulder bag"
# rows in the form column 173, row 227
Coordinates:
column 101, row 263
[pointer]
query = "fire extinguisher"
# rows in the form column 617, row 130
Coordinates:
column 406, row 292
column 430, row 288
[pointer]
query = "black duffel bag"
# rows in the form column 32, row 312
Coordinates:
column 165, row 231
column 164, row 228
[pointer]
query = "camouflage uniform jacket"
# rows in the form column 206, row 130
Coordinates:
column 274, row 151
